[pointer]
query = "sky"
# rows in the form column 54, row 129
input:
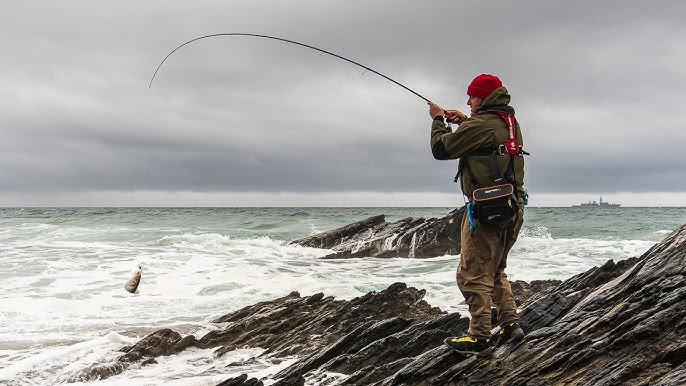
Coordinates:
column 598, row 89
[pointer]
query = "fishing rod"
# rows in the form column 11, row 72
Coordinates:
column 285, row 41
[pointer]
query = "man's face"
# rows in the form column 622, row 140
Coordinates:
column 474, row 103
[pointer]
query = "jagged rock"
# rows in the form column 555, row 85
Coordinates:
column 161, row 342
column 315, row 327
column 409, row 237
column 99, row 371
column 524, row 291
column 331, row 239
column 313, row 322
column 297, row 380
column 540, row 309
column 241, row 380
column 620, row 323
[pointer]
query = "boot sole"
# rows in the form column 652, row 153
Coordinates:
column 484, row 353
column 479, row 354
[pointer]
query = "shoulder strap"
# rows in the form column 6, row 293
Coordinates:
column 511, row 146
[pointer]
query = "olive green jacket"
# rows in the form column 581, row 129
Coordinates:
column 483, row 131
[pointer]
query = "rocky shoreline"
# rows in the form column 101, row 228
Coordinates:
column 618, row 324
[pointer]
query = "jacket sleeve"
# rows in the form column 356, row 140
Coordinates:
column 468, row 138
column 438, row 128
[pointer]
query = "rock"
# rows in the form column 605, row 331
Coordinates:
column 99, row 371
column 161, row 342
column 319, row 329
column 374, row 237
column 291, row 381
column 525, row 291
column 293, row 325
column 149, row 361
column 241, row 380
column 333, row 238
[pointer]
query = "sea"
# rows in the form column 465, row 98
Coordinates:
column 63, row 306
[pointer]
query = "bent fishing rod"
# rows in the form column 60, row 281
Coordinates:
column 285, row 41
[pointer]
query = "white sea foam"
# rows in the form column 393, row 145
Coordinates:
column 535, row 258
column 193, row 366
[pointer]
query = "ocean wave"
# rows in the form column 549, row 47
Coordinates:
column 534, row 258
column 204, row 240
column 539, row 232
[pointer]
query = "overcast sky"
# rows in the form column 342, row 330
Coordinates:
column 598, row 87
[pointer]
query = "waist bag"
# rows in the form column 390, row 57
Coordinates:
column 494, row 204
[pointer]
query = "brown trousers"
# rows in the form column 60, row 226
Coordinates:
column 481, row 274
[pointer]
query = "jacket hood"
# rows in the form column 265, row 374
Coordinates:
column 498, row 100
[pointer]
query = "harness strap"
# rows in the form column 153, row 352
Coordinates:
column 495, row 169
column 511, row 146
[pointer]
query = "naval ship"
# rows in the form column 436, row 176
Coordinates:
column 595, row 204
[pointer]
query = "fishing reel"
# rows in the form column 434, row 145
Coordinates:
column 447, row 121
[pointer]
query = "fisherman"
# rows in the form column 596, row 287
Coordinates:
column 487, row 234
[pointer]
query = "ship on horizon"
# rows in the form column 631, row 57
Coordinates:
column 601, row 204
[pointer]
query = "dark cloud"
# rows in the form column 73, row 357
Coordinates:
column 596, row 87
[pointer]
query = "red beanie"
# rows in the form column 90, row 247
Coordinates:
column 483, row 85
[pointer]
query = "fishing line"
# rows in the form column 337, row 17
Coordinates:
column 285, row 41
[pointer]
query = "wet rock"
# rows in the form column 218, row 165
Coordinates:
column 321, row 330
column 100, row 371
column 149, row 361
column 295, row 325
column 296, row 380
column 374, row 237
column 332, row 239
column 241, row 380
column 161, row 342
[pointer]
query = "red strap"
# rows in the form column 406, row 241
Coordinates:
column 511, row 145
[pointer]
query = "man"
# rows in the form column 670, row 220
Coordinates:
column 481, row 273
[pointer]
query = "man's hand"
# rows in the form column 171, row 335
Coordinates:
column 452, row 116
column 455, row 116
column 435, row 110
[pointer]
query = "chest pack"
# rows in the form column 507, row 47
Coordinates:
column 497, row 203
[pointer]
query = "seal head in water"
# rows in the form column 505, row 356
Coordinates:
column 132, row 284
